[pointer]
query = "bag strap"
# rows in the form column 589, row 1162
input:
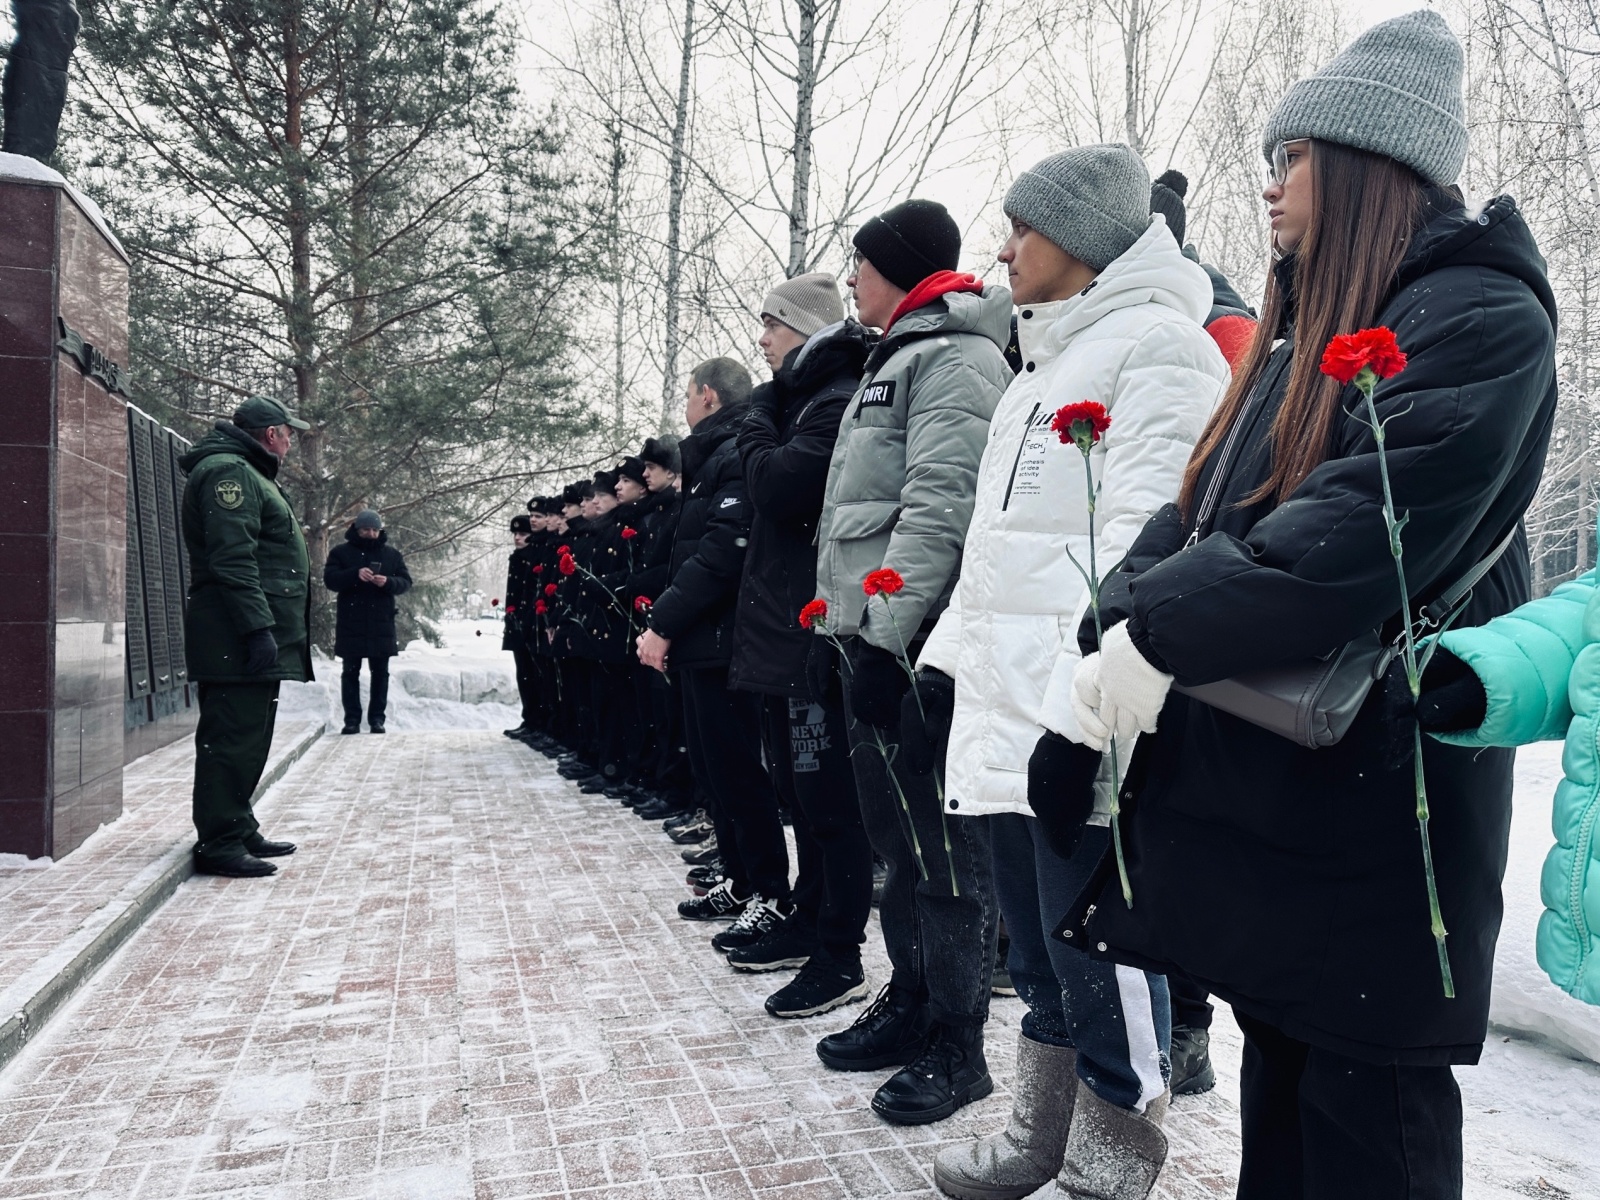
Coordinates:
column 1455, row 597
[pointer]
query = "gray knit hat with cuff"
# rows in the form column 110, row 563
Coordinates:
column 1395, row 91
column 367, row 519
column 805, row 303
column 1092, row 201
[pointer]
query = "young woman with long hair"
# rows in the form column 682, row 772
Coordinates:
column 1289, row 881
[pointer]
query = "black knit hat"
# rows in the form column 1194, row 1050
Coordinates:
column 1166, row 198
column 663, row 452
column 910, row 242
column 631, row 468
column 521, row 524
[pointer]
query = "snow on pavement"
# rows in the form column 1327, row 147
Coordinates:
column 471, row 982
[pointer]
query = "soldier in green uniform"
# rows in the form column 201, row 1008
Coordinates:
column 247, row 627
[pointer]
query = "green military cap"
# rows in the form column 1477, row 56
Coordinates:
column 260, row 412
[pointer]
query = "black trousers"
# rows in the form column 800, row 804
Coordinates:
column 231, row 741
column 1317, row 1125
column 724, row 738
column 350, row 690
column 616, row 719
column 939, row 913
column 527, row 683
column 808, row 754
column 1191, row 1003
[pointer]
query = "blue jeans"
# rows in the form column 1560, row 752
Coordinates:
column 1118, row 1018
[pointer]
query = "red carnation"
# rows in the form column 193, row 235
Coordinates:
column 563, row 549
column 814, row 613
column 549, row 589
column 568, row 564
column 510, row 608
column 538, row 568
column 629, row 533
column 540, row 607
column 1081, row 424
column 885, row 579
column 1375, row 350
column 642, row 603
column 495, row 603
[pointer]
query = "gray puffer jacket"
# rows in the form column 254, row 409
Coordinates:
column 904, row 470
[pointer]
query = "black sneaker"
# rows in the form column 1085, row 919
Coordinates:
column 889, row 1034
column 719, row 904
column 698, row 856
column 706, row 876
column 1000, row 978
column 683, row 817
column 760, row 917
column 1192, row 1072
column 695, row 831
column 950, row 1073
column 789, row 943
column 821, row 986
column 655, row 809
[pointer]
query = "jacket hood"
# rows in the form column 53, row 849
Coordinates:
column 1496, row 237
column 228, row 438
column 709, row 434
column 1152, row 271
column 353, row 536
column 839, row 349
column 987, row 313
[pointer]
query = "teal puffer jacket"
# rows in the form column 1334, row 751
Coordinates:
column 1540, row 668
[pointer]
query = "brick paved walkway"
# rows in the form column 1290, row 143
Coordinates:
column 471, row 983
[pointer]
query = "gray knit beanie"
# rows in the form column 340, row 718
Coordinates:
column 805, row 303
column 1395, row 91
column 367, row 519
column 1092, row 201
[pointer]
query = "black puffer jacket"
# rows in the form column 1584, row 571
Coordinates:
column 786, row 443
column 696, row 610
column 1290, row 881
column 364, row 621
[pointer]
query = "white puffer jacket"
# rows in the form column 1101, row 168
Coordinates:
column 1133, row 341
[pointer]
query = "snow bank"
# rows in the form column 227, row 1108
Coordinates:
column 467, row 684
column 1524, row 999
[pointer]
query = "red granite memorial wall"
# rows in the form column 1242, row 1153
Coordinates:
column 63, row 465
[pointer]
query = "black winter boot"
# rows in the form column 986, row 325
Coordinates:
column 1192, row 1072
column 948, row 1074
column 891, row 1032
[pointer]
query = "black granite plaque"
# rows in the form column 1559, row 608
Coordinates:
column 138, row 648
column 149, row 510
column 171, row 572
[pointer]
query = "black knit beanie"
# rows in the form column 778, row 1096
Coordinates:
column 1166, row 198
column 631, row 468
column 910, row 241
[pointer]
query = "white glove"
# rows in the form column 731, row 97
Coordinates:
column 1086, row 700
column 1132, row 692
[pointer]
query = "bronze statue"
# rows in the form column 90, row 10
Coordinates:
column 35, row 88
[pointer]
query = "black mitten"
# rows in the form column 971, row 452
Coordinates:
column 925, row 719
column 877, row 682
column 261, row 651
column 1061, row 775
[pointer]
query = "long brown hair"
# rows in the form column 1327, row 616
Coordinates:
column 1365, row 208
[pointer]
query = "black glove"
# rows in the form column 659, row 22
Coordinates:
column 1061, row 776
column 822, row 673
column 1452, row 697
column 877, row 681
column 261, row 651
column 925, row 719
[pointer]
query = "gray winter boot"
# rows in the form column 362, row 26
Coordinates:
column 1112, row 1153
column 1027, row 1152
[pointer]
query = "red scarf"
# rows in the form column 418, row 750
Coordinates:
column 940, row 283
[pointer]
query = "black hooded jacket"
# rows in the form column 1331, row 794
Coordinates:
column 1290, row 881
column 785, row 444
column 696, row 610
column 364, row 622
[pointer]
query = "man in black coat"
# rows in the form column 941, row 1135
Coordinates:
column 517, row 603
column 692, row 621
column 368, row 574
column 786, row 444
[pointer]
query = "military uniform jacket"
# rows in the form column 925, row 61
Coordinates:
column 248, row 567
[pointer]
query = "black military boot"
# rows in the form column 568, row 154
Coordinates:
column 948, row 1074
column 1192, row 1072
column 891, row 1032
column 236, row 866
column 263, row 848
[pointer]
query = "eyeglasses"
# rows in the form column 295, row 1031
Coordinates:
column 1278, row 172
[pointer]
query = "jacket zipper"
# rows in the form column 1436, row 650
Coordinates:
column 1580, row 860
column 1027, row 428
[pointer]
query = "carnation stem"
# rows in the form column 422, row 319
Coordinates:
column 938, row 781
column 1408, row 644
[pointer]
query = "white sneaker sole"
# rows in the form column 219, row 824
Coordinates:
column 782, row 964
column 859, row 992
